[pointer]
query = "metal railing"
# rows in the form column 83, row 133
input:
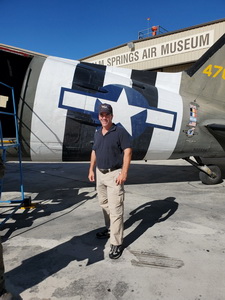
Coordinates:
column 151, row 31
column 5, row 144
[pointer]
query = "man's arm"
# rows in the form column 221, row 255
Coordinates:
column 91, row 175
column 126, row 164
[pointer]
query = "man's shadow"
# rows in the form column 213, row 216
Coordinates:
column 37, row 268
column 149, row 214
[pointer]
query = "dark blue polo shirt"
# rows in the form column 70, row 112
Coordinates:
column 109, row 147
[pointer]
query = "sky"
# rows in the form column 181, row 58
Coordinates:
column 76, row 29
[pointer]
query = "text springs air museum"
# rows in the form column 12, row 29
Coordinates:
column 194, row 42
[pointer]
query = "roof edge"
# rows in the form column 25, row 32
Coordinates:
column 157, row 36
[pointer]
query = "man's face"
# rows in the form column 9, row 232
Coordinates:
column 105, row 119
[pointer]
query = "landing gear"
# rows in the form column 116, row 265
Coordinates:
column 210, row 174
column 214, row 178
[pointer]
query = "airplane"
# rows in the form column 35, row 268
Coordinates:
column 168, row 115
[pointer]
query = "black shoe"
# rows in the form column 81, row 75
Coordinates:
column 115, row 251
column 6, row 295
column 105, row 234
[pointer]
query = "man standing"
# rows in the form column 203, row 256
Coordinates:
column 111, row 154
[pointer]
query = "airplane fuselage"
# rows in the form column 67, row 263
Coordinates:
column 168, row 115
column 60, row 118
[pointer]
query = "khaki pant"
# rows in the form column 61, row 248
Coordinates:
column 111, row 200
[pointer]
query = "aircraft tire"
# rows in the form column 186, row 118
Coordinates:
column 209, row 180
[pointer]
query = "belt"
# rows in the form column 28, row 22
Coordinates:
column 104, row 171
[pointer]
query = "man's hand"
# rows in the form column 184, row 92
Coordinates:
column 91, row 176
column 121, row 178
column 126, row 163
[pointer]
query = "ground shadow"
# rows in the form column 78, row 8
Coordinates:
column 149, row 214
column 61, row 199
column 37, row 268
column 54, row 187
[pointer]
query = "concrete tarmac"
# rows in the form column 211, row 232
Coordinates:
column 174, row 235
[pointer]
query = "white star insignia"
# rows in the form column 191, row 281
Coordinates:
column 123, row 111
